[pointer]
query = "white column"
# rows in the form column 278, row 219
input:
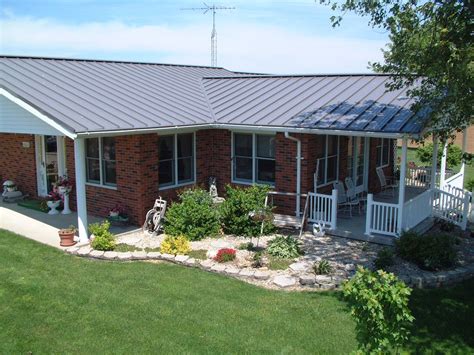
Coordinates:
column 61, row 155
column 334, row 209
column 442, row 172
column 464, row 145
column 434, row 163
column 80, row 166
column 401, row 189
column 368, row 216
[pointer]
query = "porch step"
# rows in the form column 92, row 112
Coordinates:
column 285, row 221
column 424, row 226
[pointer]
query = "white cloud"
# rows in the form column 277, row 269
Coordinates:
column 241, row 46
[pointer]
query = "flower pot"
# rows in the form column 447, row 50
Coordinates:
column 66, row 237
column 63, row 190
column 53, row 205
column 113, row 214
column 10, row 189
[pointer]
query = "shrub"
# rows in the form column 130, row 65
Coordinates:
column 284, row 247
column 384, row 259
column 379, row 305
column 257, row 259
column 224, row 255
column 322, row 268
column 175, row 245
column 103, row 239
column 425, row 154
column 470, row 185
column 429, row 252
column 194, row 216
column 237, row 208
column 445, row 226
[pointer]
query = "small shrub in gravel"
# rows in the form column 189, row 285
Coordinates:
column 103, row 239
column 284, row 247
column 224, row 255
column 175, row 245
column 122, row 247
column 322, row 267
column 257, row 260
column 385, row 258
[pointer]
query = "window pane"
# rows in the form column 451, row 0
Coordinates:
column 332, row 169
column 321, row 146
column 166, row 172
column 332, row 145
column 321, row 171
column 185, row 170
column 110, row 175
column 266, row 170
column 166, row 147
column 93, row 170
column 386, row 151
column 185, row 145
column 379, row 155
column 243, row 169
column 51, row 144
column 266, row 146
column 108, row 148
column 92, row 148
column 243, row 145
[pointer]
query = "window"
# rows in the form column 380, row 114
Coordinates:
column 253, row 158
column 329, row 161
column 100, row 161
column 176, row 159
column 383, row 152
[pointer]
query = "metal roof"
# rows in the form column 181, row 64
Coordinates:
column 99, row 96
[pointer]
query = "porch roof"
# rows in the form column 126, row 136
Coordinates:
column 93, row 96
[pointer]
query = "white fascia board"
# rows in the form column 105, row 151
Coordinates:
column 37, row 113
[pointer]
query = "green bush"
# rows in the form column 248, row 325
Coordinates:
column 470, row 185
column 379, row 305
column 322, row 268
column 384, row 259
column 425, row 154
column 284, row 247
column 175, row 245
column 195, row 216
column 103, row 239
column 429, row 252
column 237, row 208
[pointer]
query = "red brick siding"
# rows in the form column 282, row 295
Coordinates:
column 18, row 163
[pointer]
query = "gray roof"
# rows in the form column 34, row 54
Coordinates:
column 93, row 95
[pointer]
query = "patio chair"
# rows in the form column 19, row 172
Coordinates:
column 346, row 200
column 386, row 183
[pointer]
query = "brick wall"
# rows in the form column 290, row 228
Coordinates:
column 18, row 163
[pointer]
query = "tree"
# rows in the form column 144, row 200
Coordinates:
column 430, row 50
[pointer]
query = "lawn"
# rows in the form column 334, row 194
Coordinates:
column 51, row 302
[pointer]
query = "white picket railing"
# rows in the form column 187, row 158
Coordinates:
column 451, row 207
column 422, row 176
column 456, row 181
column 417, row 210
column 381, row 218
column 323, row 208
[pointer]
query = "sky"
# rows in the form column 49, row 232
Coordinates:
column 262, row 36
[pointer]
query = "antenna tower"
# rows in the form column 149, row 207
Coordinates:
column 207, row 8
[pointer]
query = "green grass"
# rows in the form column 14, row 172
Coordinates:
column 51, row 302
column 122, row 247
column 34, row 205
column 278, row 263
column 200, row 254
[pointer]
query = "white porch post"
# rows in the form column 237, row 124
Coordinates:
column 434, row 163
column 442, row 172
column 464, row 145
column 401, row 189
column 79, row 163
column 61, row 155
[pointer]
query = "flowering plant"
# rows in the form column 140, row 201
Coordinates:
column 117, row 209
column 63, row 181
column 225, row 255
column 54, row 196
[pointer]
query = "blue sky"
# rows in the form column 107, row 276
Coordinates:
column 262, row 36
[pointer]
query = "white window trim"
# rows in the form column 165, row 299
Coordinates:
column 381, row 140
column 175, row 159
column 101, row 183
column 325, row 157
column 254, row 159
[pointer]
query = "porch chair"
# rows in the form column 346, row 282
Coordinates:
column 386, row 183
column 346, row 200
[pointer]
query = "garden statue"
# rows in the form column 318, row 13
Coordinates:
column 318, row 230
column 212, row 187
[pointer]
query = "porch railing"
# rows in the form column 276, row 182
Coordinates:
column 323, row 208
column 417, row 210
column 455, row 181
column 422, row 177
column 451, row 207
column 381, row 218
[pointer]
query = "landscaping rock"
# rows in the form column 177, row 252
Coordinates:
column 349, row 267
column 301, row 266
column 96, row 254
column 190, row 261
column 124, row 255
column 110, row 255
column 323, row 279
column 307, row 279
column 153, row 255
column 328, row 286
column 167, row 256
column 207, row 264
column 246, row 272
column 218, row 267
column 284, row 281
column 138, row 255
column 72, row 250
column 232, row 270
column 181, row 258
column 84, row 251
column 261, row 275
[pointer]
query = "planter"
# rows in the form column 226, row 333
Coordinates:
column 11, row 189
column 66, row 237
column 113, row 214
column 52, row 206
column 63, row 190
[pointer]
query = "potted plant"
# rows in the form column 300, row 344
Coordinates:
column 53, row 202
column 9, row 186
column 64, row 185
column 66, row 236
column 116, row 211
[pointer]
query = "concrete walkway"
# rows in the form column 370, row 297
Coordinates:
column 41, row 226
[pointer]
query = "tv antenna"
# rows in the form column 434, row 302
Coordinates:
column 207, row 8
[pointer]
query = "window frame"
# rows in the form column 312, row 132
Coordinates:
column 101, row 182
column 325, row 157
column 175, row 162
column 254, row 158
column 379, row 158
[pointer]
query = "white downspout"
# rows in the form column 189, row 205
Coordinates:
column 298, row 172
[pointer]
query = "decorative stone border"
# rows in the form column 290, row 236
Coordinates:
column 296, row 277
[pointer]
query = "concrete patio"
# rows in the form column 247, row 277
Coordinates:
column 41, row 226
